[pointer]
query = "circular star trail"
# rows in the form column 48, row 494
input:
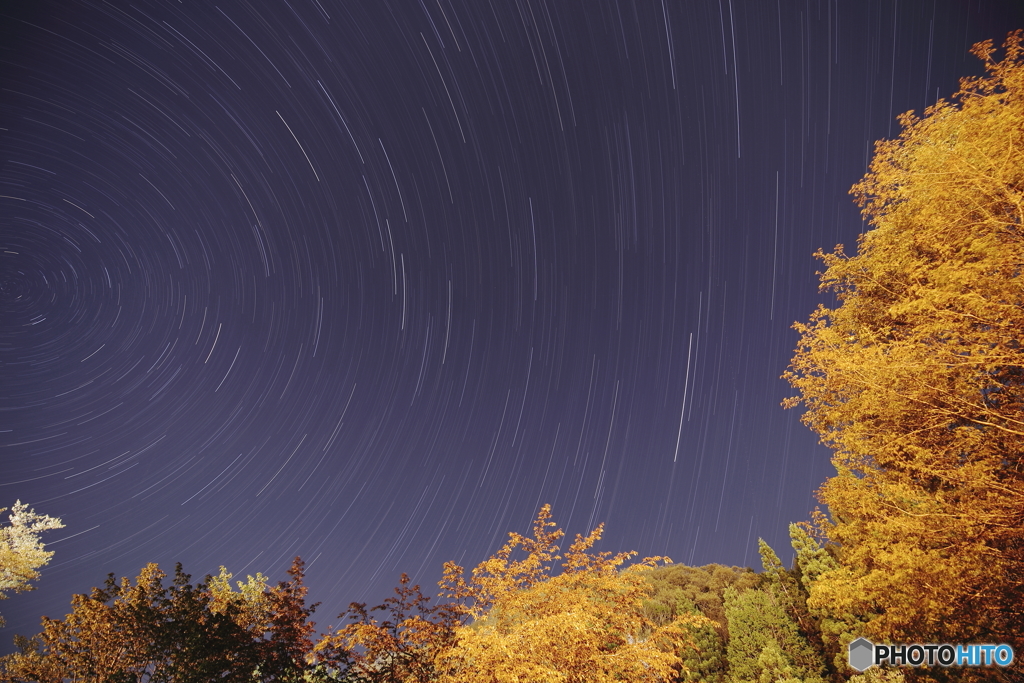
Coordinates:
column 370, row 282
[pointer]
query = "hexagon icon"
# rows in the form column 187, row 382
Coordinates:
column 861, row 654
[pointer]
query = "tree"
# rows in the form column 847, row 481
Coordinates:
column 402, row 647
column 775, row 667
column 703, row 654
column 126, row 632
column 763, row 638
column 583, row 625
column 772, row 636
column 679, row 590
column 21, row 553
column 916, row 378
column 878, row 675
column 703, row 586
column 181, row 633
column 835, row 628
column 511, row 619
column 785, row 586
column 787, row 591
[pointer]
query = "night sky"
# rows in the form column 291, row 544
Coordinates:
column 371, row 281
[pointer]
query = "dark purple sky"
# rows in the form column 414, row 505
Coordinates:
column 369, row 282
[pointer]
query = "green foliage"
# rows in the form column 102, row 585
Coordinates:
column 772, row 637
column 791, row 593
column 704, row 657
column 775, row 667
column 758, row 623
column 785, row 586
column 835, row 627
column 679, row 590
column 703, row 587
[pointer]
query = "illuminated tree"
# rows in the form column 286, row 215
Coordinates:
column 800, row 637
column 916, row 378
column 512, row 620
column 770, row 630
column 181, row 633
column 834, row 628
column 402, row 646
column 21, row 553
column 585, row 625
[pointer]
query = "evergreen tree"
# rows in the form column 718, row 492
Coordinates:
column 704, row 655
column 774, row 666
column 786, row 587
column 836, row 628
column 789, row 592
column 679, row 590
column 764, row 637
column 703, row 586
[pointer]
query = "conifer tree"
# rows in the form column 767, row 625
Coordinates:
column 704, row 655
column 774, row 667
column 758, row 622
column 678, row 590
column 835, row 627
column 786, row 587
column 771, row 632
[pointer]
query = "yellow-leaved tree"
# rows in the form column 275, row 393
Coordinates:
column 151, row 633
column 586, row 624
column 512, row 620
column 916, row 378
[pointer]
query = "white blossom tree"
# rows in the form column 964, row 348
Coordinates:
column 21, row 552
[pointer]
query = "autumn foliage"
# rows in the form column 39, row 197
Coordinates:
column 401, row 646
column 513, row 619
column 916, row 378
column 151, row 632
column 586, row 623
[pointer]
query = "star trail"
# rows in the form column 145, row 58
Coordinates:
column 371, row 281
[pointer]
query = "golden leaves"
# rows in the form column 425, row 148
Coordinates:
column 401, row 647
column 585, row 624
column 515, row 618
column 146, row 631
column 917, row 378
